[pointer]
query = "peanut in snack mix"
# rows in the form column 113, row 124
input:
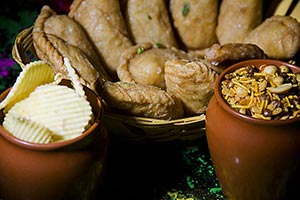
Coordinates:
column 268, row 92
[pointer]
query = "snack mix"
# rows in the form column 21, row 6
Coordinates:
column 268, row 92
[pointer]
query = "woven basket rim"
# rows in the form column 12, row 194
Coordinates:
column 152, row 121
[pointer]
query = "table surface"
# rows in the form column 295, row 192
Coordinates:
column 165, row 171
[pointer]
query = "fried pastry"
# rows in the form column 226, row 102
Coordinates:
column 70, row 31
column 53, row 50
column 198, row 53
column 222, row 56
column 192, row 82
column 148, row 21
column 278, row 36
column 195, row 22
column 237, row 18
column 105, row 26
column 145, row 63
column 141, row 100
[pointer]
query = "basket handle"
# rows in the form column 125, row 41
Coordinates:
column 23, row 50
column 289, row 7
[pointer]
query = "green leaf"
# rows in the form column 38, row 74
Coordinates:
column 186, row 9
column 140, row 50
column 160, row 45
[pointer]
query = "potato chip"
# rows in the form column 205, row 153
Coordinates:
column 58, row 108
column 34, row 74
column 26, row 129
column 74, row 78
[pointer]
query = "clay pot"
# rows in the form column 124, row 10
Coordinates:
column 253, row 158
column 70, row 169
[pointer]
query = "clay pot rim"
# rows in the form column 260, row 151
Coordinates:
column 229, row 109
column 55, row 145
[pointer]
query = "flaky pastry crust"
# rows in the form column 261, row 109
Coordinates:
column 142, row 100
column 192, row 82
column 145, row 63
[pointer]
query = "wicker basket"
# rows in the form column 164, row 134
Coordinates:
column 124, row 127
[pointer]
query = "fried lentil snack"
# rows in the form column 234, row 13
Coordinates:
column 53, row 50
column 148, row 21
column 192, row 82
column 70, row 31
column 237, row 18
column 195, row 21
column 145, row 63
column 278, row 36
column 105, row 26
column 141, row 100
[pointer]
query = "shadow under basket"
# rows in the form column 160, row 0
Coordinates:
column 125, row 127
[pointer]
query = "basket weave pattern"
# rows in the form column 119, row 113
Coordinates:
column 125, row 127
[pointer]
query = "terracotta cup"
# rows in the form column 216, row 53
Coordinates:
column 70, row 169
column 253, row 158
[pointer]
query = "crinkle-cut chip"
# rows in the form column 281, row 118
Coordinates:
column 74, row 78
column 26, row 129
column 58, row 108
column 34, row 74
